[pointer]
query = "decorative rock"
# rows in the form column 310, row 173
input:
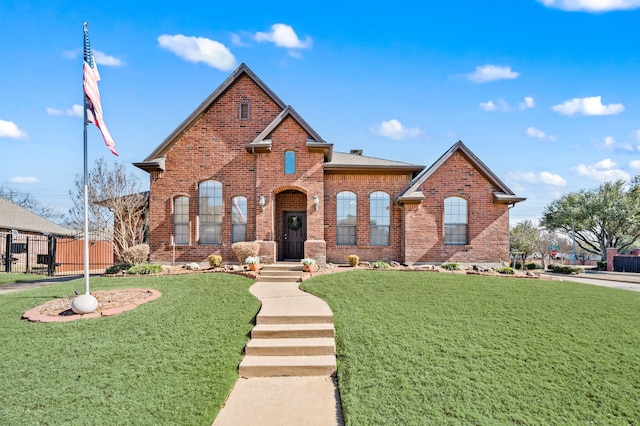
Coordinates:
column 167, row 269
column 191, row 266
column 84, row 304
column 394, row 264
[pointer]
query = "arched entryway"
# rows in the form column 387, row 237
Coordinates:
column 291, row 224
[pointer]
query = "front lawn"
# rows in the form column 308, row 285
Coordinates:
column 441, row 348
column 172, row 361
column 15, row 277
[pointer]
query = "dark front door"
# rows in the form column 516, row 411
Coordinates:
column 295, row 234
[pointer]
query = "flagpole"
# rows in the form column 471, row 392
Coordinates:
column 85, row 303
column 86, row 182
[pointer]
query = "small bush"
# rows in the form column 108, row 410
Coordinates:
column 602, row 265
column 451, row 266
column 245, row 249
column 145, row 269
column 354, row 259
column 215, row 260
column 252, row 260
column 136, row 254
column 117, row 268
column 507, row 270
column 381, row 265
column 565, row 269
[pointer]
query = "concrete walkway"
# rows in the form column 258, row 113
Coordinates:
column 288, row 374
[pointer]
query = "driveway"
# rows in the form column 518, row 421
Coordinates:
column 619, row 280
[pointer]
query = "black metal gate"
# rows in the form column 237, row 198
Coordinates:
column 626, row 263
column 27, row 253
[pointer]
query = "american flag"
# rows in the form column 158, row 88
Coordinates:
column 92, row 94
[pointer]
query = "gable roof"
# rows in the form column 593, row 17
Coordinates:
column 350, row 162
column 12, row 216
column 262, row 142
column 155, row 160
column 502, row 194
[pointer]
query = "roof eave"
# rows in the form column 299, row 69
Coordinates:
column 258, row 147
column 323, row 147
column 502, row 198
column 156, row 165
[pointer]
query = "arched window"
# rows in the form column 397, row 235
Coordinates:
column 210, row 212
column 289, row 162
column 455, row 221
column 379, row 218
column 181, row 221
column 238, row 219
column 346, row 218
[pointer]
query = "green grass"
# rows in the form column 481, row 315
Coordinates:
column 429, row 348
column 15, row 277
column 171, row 361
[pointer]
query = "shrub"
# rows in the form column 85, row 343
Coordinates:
column 136, row 254
column 354, row 259
column 215, row 260
column 381, row 265
column 252, row 260
column 124, row 266
column 565, row 269
column 602, row 265
column 145, row 269
column 451, row 266
column 507, row 270
column 245, row 249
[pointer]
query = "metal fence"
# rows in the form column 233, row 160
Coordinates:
column 626, row 263
column 51, row 255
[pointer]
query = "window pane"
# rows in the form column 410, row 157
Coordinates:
column 210, row 211
column 181, row 220
column 455, row 221
column 346, row 219
column 379, row 218
column 238, row 219
column 289, row 162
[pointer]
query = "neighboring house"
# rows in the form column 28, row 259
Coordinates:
column 14, row 217
column 244, row 166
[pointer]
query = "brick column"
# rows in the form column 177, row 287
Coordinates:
column 610, row 253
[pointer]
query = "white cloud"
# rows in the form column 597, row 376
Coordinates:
column 603, row 171
column 106, row 60
column 23, row 179
column 283, row 35
column 395, row 130
column 489, row 72
column 499, row 105
column 634, row 164
column 199, row 49
column 545, row 178
column 591, row 5
column 609, row 142
column 75, row 111
column 527, row 103
column 9, row 129
column 587, row 106
column 539, row 134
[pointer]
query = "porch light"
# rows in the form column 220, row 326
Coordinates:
column 316, row 201
column 262, row 202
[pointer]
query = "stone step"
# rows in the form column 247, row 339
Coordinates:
column 291, row 347
column 290, row 266
column 273, row 366
column 278, row 278
column 294, row 319
column 284, row 331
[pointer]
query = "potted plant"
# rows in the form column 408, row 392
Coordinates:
column 253, row 262
column 308, row 265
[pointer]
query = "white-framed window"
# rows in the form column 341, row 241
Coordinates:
column 238, row 219
column 181, row 221
column 346, row 218
column 210, row 212
column 455, row 221
column 379, row 218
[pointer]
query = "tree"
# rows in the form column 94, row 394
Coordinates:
column 27, row 201
column 523, row 239
column 116, row 205
column 608, row 216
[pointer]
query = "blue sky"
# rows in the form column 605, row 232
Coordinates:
column 545, row 92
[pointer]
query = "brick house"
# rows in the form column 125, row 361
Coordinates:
column 244, row 166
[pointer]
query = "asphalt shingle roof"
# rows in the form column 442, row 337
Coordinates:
column 13, row 216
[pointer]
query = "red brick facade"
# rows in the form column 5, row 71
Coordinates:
column 247, row 156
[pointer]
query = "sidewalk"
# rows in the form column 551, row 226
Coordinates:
column 620, row 280
column 25, row 285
